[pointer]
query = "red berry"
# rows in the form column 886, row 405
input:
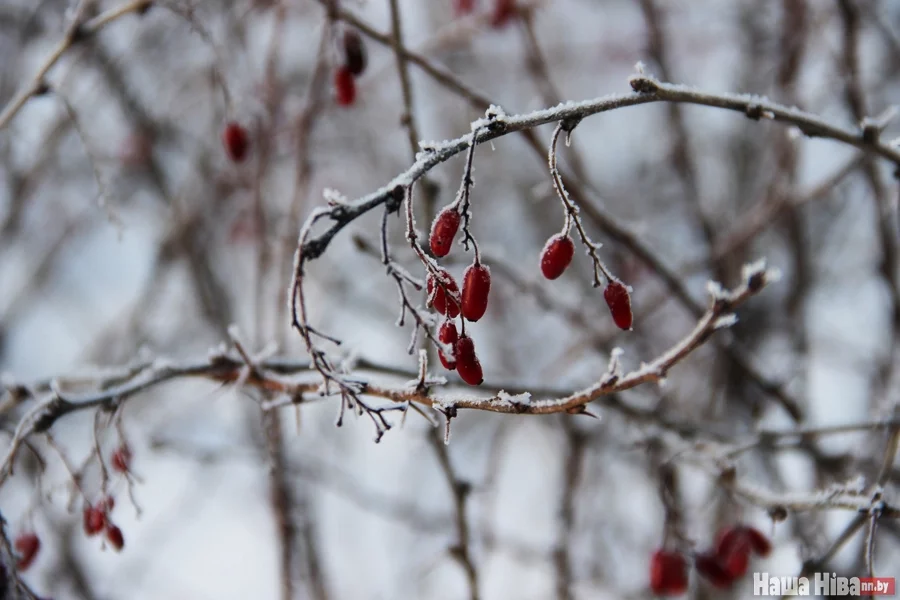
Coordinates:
column 437, row 295
column 668, row 573
column 448, row 335
column 443, row 230
column 619, row 302
column 467, row 364
column 27, row 545
column 355, row 59
column 711, row 568
column 745, row 538
column 504, row 11
column 236, row 141
column 463, row 7
column 761, row 544
column 94, row 519
column 476, row 286
column 107, row 504
column 114, row 537
column 344, row 86
column 557, row 255
column 121, row 459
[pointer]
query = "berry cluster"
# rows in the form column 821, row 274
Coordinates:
column 555, row 259
column 721, row 566
column 354, row 61
column 444, row 296
column 95, row 519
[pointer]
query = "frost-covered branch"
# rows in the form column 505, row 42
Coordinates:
column 646, row 90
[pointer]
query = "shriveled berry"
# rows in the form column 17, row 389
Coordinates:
column 121, row 459
column 668, row 573
column 27, row 546
column 448, row 335
column 619, row 301
column 94, row 519
column 711, row 568
column 355, row 58
column 443, row 230
column 557, row 255
column 476, row 287
column 467, row 364
column 344, row 86
column 504, row 11
column 114, row 537
column 236, row 141
column 444, row 298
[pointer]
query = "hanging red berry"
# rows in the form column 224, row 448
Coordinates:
column 467, row 364
column 557, row 255
column 121, row 459
column 668, row 573
column 449, row 336
column 94, row 520
column 443, row 230
column 114, row 537
column 27, row 546
column 345, row 86
column 619, row 301
column 504, row 11
column 761, row 544
column 712, row 569
column 236, row 141
column 355, row 58
column 445, row 299
column 476, row 286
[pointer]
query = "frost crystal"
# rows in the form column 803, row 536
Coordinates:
column 523, row 399
column 716, row 290
column 725, row 321
column 334, row 197
column 754, row 268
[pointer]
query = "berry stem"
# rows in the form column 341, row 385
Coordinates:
column 571, row 210
column 463, row 197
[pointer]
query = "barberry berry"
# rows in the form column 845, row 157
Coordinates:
column 94, row 519
column 444, row 298
column 443, row 230
column 557, row 255
column 476, row 287
column 114, row 537
column 712, row 569
column 448, row 335
column 504, row 11
column 619, row 302
column 344, row 86
column 668, row 573
column 27, row 545
column 236, row 141
column 467, row 364
column 121, row 459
